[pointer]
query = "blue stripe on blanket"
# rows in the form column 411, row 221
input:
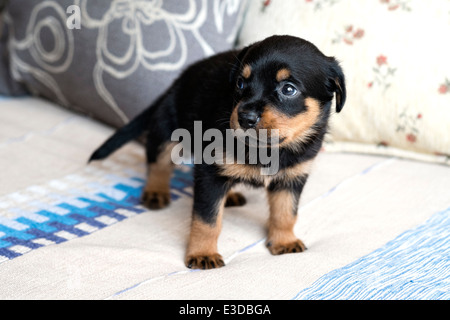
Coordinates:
column 2, row 98
column 415, row 265
column 75, row 217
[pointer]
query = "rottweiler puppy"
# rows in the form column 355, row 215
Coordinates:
column 282, row 83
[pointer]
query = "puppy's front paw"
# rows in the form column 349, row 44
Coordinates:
column 156, row 199
column 282, row 248
column 204, row 262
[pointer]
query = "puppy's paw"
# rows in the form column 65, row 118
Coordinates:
column 156, row 199
column 204, row 262
column 282, row 248
column 235, row 199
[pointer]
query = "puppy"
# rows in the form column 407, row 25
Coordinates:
column 283, row 83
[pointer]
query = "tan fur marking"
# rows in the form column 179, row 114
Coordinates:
column 281, row 238
column 292, row 129
column 247, row 71
column 282, row 218
column 203, row 241
column 203, row 238
column 300, row 169
column 338, row 96
column 241, row 171
column 160, row 172
column 283, row 74
column 157, row 188
column 158, row 178
column 253, row 173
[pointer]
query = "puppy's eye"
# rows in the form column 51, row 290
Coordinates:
column 289, row 90
column 240, row 83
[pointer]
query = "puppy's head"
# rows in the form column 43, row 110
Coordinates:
column 285, row 83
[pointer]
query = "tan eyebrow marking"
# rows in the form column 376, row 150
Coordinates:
column 247, row 71
column 283, row 74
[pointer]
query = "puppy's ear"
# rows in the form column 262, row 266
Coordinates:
column 337, row 81
column 238, row 64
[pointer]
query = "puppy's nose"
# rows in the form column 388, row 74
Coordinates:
column 248, row 119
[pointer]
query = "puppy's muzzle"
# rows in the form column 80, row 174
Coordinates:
column 248, row 119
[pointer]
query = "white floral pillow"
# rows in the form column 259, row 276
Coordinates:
column 395, row 54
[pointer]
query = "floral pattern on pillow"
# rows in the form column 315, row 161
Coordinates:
column 396, row 66
column 383, row 74
column 122, row 55
column 445, row 87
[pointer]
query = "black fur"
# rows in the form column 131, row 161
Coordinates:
column 209, row 90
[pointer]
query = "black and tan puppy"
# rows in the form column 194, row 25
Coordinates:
column 282, row 83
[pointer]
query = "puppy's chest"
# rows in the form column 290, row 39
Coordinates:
column 258, row 176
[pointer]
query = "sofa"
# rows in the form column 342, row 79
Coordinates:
column 375, row 213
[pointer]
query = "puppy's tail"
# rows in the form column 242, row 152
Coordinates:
column 125, row 134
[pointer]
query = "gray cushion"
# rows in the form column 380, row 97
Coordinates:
column 125, row 54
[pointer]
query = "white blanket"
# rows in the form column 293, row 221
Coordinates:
column 375, row 228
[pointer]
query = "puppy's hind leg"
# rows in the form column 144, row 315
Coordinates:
column 156, row 193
